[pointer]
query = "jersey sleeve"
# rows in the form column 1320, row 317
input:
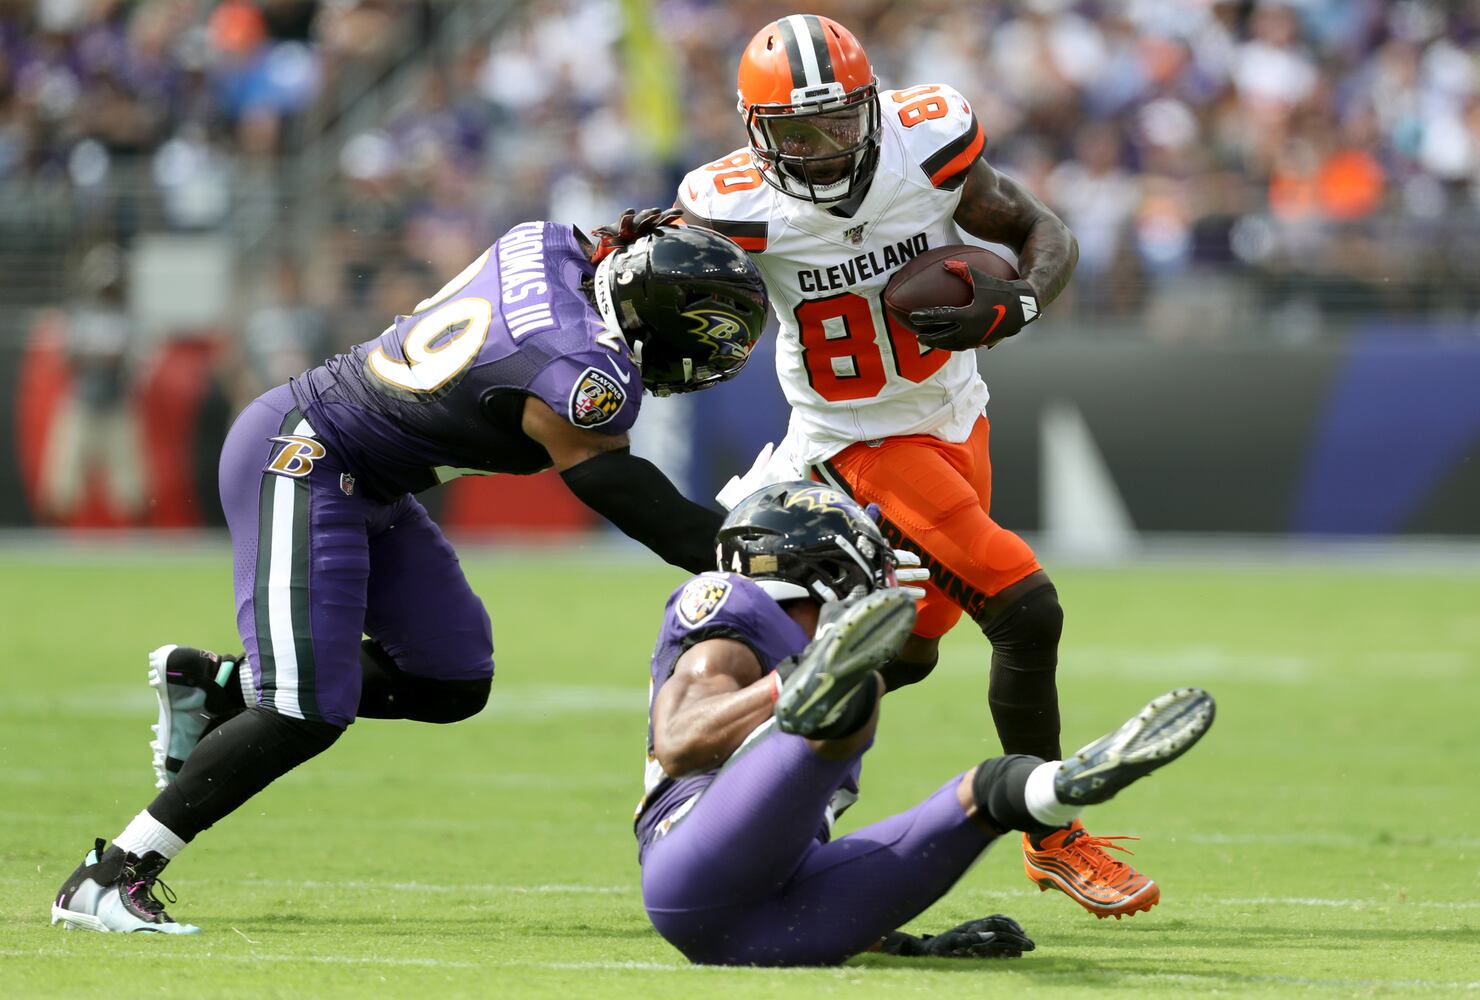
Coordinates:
column 730, row 197
column 939, row 129
column 597, row 390
column 728, row 606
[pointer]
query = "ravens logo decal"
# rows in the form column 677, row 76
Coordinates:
column 701, row 598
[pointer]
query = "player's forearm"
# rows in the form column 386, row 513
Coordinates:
column 635, row 496
column 1047, row 258
column 704, row 734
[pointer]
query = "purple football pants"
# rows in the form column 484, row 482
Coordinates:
column 742, row 879
column 318, row 565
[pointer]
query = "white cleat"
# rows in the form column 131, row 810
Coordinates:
column 188, row 685
column 1157, row 735
column 112, row 891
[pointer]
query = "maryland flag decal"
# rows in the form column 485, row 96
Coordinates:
column 596, row 398
column 701, row 598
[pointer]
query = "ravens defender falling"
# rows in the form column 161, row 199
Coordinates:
column 765, row 697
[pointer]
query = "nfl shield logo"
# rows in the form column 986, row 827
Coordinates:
column 854, row 235
column 347, row 484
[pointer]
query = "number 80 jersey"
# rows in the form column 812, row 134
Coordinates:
column 849, row 373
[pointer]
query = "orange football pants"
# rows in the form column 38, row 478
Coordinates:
column 935, row 499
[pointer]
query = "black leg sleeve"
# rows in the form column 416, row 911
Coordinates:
column 386, row 692
column 1025, row 655
column 236, row 761
column 633, row 494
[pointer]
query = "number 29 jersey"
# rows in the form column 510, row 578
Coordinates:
column 848, row 371
column 441, row 392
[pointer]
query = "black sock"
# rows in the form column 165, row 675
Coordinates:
column 235, row 762
column 999, row 787
column 1022, row 692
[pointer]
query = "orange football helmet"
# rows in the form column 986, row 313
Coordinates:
column 811, row 107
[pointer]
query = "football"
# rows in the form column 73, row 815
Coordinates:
column 926, row 281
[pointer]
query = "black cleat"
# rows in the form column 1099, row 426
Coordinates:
column 1160, row 733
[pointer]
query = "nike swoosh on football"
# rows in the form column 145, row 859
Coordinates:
column 618, row 369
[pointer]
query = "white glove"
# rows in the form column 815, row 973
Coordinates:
column 907, row 568
column 771, row 466
column 910, row 574
column 740, row 487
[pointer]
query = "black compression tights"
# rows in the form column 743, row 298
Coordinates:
column 1022, row 692
column 234, row 762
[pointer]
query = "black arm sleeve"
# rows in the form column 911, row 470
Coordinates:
column 634, row 495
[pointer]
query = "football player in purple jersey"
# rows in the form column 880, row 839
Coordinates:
column 535, row 356
column 765, row 697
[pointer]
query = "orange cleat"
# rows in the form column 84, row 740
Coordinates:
column 1081, row 867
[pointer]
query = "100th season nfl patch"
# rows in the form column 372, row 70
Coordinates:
column 596, row 398
column 701, row 598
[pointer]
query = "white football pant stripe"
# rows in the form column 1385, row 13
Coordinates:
column 280, row 592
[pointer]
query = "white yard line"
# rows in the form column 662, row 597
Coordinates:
column 516, row 701
column 1194, row 899
column 552, row 888
column 853, row 973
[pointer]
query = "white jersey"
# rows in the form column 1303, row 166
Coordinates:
column 849, row 374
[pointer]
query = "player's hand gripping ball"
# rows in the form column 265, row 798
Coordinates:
column 959, row 298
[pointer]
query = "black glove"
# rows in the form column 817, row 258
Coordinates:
column 632, row 226
column 989, row 937
column 998, row 309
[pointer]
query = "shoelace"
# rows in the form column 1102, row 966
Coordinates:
column 142, row 893
column 1094, row 853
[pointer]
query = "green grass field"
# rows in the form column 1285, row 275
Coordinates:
column 1323, row 840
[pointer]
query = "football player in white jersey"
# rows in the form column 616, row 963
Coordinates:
column 840, row 184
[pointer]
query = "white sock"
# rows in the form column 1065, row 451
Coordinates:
column 1041, row 800
column 244, row 678
column 145, row 833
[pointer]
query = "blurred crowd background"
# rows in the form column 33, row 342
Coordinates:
column 285, row 175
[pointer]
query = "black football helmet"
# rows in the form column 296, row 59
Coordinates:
column 689, row 303
column 805, row 539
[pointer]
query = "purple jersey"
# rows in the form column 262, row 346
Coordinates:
column 710, row 606
column 441, row 392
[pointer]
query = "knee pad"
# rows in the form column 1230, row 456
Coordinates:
column 1033, row 621
column 899, row 673
column 388, row 692
column 450, row 701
